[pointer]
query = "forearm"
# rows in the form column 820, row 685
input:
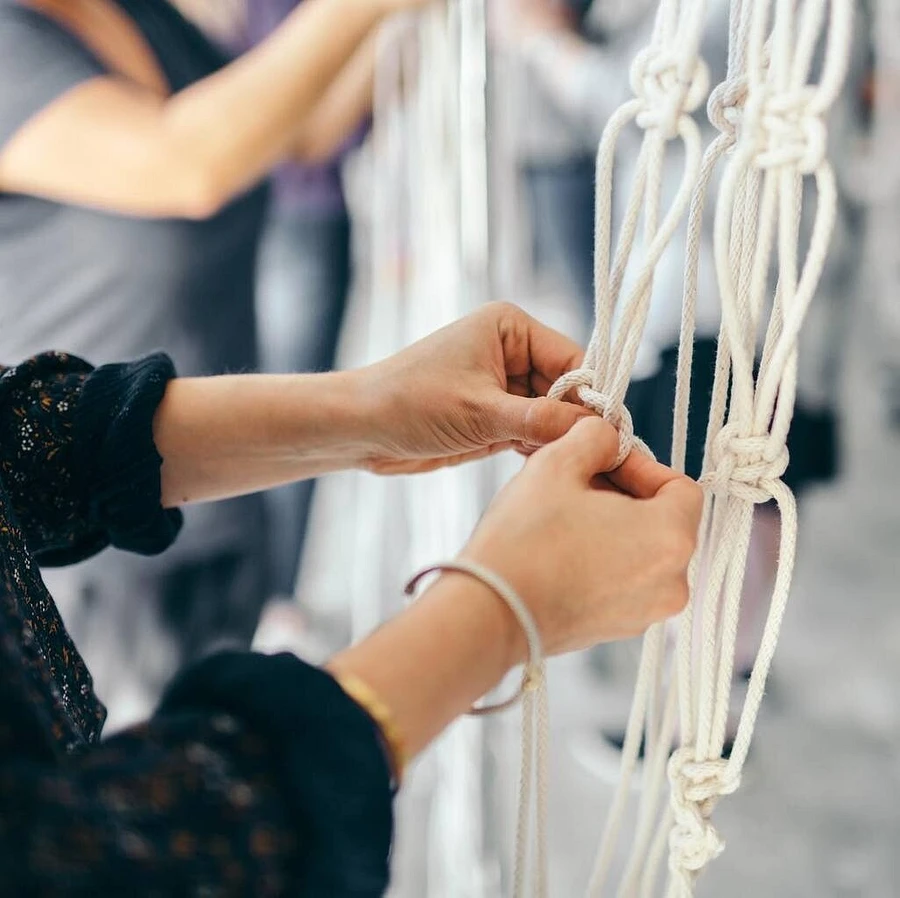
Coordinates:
column 225, row 436
column 340, row 112
column 267, row 91
column 431, row 663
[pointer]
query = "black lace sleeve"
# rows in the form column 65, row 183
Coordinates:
column 258, row 777
column 77, row 456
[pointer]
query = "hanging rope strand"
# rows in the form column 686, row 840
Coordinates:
column 781, row 140
column 772, row 131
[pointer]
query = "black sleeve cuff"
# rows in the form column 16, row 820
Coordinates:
column 115, row 449
column 336, row 776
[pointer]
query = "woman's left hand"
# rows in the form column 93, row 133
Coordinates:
column 473, row 388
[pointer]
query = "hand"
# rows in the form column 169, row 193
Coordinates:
column 474, row 388
column 596, row 556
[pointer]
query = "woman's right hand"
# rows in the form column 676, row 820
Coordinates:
column 596, row 554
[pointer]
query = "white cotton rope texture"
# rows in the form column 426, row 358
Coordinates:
column 771, row 118
column 430, row 139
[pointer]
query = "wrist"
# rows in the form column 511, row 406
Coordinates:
column 495, row 619
column 349, row 420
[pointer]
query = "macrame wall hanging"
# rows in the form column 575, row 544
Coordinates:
column 787, row 61
column 770, row 113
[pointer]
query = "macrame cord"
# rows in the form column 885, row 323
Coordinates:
column 430, row 267
column 771, row 122
column 770, row 115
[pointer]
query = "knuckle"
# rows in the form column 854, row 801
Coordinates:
column 539, row 421
column 500, row 308
column 694, row 493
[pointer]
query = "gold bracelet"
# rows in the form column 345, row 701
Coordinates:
column 372, row 704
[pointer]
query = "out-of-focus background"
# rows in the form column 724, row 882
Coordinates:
column 310, row 568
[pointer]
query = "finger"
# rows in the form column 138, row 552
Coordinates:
column 603, row 484
column 531, row 348
column 426, row 465
column 535, row 422
column 641, row 476
column 685, row 497
column 589, row 448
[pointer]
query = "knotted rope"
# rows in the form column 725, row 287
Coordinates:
column 696, row 787
column 771, row 123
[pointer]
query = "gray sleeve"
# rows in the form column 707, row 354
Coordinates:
column 39, row 62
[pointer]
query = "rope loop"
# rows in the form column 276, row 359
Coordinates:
column 788, row 129
column 696, row 786
column 746, row 467
column 665, row 94
column 726, row 105
column 582, row 381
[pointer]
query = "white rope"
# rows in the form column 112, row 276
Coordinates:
column 771, row 118
column 669, row 81
column 430, row 263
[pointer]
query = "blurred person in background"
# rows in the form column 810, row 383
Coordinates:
column 557, row 134
column 304, row 275
column 263, row 776
column 587, row 81
column 133, row 165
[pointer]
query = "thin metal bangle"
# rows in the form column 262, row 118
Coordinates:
column 532, row 675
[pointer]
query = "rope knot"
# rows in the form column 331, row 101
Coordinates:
column 745, row 466
column 726, row 105
column 789, row 130
column 696, row 786
column 582, row 381
column 667, row 91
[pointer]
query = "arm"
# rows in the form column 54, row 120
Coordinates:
column 110, row 144
column 594, row 561
column 262, row 771
column 228, row 435
column 81, row 449
column 337, row 116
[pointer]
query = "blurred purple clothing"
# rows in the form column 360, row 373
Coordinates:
column 300, row 188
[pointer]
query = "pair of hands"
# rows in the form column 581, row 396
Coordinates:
column 596, row 553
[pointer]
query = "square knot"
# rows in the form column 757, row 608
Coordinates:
column 787, row 129
column 667, row 89
column 696, row 786
column 745, row 466
column 582, row 381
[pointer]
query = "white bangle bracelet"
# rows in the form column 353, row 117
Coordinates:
column 532, row 675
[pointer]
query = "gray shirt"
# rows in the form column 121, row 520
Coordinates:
column 109, row 286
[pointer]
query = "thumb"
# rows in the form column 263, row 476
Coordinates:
column 589, row 448
column 685, row 497
column 536, row 422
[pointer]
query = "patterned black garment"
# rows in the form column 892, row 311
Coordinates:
column 257, row 776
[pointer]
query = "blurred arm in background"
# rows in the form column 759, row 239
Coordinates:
column 126, row 144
